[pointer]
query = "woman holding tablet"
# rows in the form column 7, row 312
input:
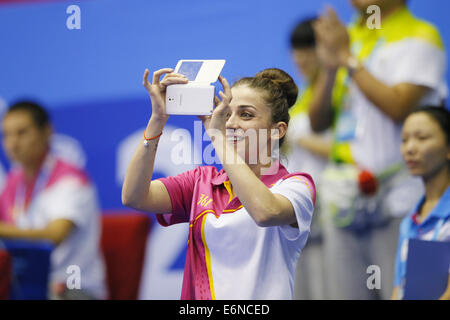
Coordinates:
column 247, row 222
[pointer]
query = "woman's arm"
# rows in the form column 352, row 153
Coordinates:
column 395, row 101
column 56, row 231
column 138, row 190
column 266, row 208
column 316, row 144
column 321, row 113
column 446, row 294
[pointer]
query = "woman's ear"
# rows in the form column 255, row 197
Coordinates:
column 279, row 130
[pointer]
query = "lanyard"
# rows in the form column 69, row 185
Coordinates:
column 413, row 234
column 437, row 228
column 20, row 207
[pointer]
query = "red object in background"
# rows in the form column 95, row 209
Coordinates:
column 5, row 274
column 368, row 183
column 123, row 241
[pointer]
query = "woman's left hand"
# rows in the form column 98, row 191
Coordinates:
column 217, row 121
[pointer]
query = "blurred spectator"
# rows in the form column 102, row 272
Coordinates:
column 366, row 189
column 305, row 149
column 45, row 198
column 426, row 150
column 307, row 152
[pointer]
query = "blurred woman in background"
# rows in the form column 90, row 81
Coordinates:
column 426, row 150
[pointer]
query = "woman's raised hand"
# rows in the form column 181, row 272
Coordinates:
column 157, row 89
column 219, row 116
column 332, row 40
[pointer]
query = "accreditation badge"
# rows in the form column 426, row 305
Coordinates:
column 346, row 126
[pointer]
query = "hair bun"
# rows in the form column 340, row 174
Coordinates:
column 282, row 80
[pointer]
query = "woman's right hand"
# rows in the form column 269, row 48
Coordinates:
column 157, row 89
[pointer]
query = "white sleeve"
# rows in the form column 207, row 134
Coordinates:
column 72, row 200
column 420, row 63
column 298, row 191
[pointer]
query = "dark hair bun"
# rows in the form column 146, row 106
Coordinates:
column 282, row 80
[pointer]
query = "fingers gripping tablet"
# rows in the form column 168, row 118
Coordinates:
column 197, row 96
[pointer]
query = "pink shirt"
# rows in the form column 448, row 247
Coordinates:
column 58, row 171
column 201, row 197
column 60, row 191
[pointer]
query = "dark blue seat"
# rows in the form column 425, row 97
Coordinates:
column 30, row 268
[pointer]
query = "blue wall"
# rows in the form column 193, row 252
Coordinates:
column 91, row 78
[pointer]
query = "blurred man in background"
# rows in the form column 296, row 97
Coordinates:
column 389, row 70
column 307, row 151
column 45, row 198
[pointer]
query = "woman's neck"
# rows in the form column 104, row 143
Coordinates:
column 435, row 187
column 436, row 184
column 260, row 169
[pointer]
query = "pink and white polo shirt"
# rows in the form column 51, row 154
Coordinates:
column 65, row 193
column 228, row 255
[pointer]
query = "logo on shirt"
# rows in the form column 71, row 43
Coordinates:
column 204, row 200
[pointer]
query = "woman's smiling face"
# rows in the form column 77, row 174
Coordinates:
column 249, row 124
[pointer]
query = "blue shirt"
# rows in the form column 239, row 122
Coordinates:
column 435, row 227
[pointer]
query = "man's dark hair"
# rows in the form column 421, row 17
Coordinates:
column 40, row 117
column 302, row 36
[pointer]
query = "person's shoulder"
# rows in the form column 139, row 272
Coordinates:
column 406, row 222
column 445, row 203
column 11, row 181
column 410, row 26
column 203, row 172
column 428, row 32
column 209, row 169
column 303, row 178
column 64, row 170
column 209, row 172
column 13, row 175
